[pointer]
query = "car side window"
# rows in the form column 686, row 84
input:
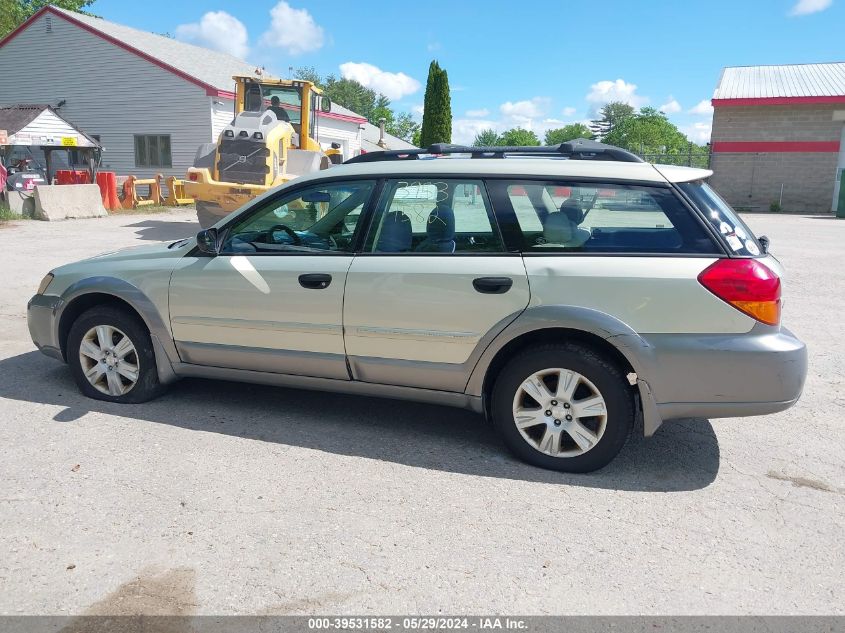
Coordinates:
column 596, row 217
column 318, row 218
column 434, row 216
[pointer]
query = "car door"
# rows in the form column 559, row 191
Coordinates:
column 432, row 285
column 272, row 300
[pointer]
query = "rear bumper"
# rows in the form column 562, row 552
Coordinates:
column 718, row 376
column 41, row 317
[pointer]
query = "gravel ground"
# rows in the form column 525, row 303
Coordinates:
column 222, row 498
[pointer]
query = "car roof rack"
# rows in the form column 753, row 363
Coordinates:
column 578, row 149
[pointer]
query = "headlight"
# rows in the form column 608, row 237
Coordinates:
column 45, row 283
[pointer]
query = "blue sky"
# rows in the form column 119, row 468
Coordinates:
column 537, row 64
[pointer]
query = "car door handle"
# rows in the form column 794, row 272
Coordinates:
column 492, row 285
column 315, row 281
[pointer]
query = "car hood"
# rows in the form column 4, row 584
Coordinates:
column 148, row 251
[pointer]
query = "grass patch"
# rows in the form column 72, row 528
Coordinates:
column 6, row 214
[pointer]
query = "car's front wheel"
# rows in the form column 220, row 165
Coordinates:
column 563, row 407
column 111, row 356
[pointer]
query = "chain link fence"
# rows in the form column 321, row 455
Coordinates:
column 684, row 159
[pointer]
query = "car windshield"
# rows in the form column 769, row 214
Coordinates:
column 724, row 219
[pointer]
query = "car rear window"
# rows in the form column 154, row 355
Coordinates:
column 600, row 218
column 735, row 233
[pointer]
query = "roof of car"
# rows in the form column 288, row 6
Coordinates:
column 520, row 167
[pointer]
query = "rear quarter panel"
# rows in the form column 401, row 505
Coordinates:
column 649, row 294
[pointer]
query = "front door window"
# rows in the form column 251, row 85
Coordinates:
column 318, row 219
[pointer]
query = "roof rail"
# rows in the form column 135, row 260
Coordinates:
column 579, row 149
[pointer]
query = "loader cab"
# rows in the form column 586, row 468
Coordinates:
column 296, row 102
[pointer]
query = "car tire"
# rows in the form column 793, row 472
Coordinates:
column 114, row 348
column 582, row 415
column 208, row 214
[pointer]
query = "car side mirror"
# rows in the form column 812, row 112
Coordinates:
column 764, row 242
column 208, row 242
column 325, row 104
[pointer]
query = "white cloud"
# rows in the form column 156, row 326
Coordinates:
column 478, row 114
column 217, row 30
column 293, row 30
column 433, row 47
column 671, row 107
column 806, row 7
column 464, row 131
column 528, row 109
column 703, row 108
column 698, row 132
column 417, row 109
column 569, row 111
column 391, row 85
column 603, row 92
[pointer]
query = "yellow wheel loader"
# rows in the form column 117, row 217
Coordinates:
column 271, row 140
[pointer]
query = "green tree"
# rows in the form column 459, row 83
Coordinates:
column 382, row 110
column 437, row 114
column 648, row 132
column 486, row 138
column 568, row 133
column 15, row 12
column 361, row 100
column 404, row 126
column 518, row 136
column 351, row 94
column 309, row 73
column 612, row 114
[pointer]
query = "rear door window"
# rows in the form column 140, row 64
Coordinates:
column 736, row 234
column 434, row 216
column 550, row 217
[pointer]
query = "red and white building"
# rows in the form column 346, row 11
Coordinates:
column 149, row 100
column 779, row 136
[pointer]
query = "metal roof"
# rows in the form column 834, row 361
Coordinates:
column 208, row 66
column 17, row 117
column 790, row 81
column 372, row 133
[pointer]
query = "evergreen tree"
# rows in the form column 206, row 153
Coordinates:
column 437, row 115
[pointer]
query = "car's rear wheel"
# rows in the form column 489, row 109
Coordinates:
column 111, row 356
column 563, row 407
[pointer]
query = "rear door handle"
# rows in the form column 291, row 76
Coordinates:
column 492, row 285
column 315, row 281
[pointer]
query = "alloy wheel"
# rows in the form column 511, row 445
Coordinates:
column 559, row 412
column 109, row 360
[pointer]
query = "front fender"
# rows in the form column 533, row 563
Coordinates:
column 163, row 345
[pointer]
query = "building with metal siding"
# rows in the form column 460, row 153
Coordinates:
column 779, row 136
column 117, row 83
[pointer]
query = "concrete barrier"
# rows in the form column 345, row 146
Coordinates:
column 60, row 202
column 21, row 204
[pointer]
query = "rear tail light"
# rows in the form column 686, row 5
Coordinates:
column 747, row 285
column 193, row 176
